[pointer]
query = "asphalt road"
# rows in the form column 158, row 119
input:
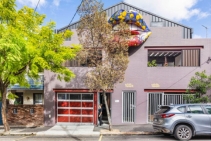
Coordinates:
column 101, row 138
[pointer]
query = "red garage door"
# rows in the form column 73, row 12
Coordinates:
column 75, row 107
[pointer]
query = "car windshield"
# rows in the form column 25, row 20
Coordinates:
column 163, row 109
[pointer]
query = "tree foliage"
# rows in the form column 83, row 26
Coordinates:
column 95, row 33
column 28, row 47
column 198, row 87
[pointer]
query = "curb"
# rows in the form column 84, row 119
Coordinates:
column 21, row 134
column 70, row 134
column 117, row 132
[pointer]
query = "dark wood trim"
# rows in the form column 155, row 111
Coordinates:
column 56, row 108
column 172, row 47
column 78, row 90
column 166, row 90
column 95, row 109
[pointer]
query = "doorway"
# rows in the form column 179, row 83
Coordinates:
column 101, row 101
column 128, row 107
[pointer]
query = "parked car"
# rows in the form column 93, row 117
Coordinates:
column 183, row 121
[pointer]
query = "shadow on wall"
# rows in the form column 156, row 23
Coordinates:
column 49, row 102
column 132, row 50
column 78, row 81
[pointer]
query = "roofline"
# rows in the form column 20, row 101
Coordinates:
column 136, row 8
column 154, row 14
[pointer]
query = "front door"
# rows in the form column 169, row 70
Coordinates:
column 128, row 107
column 198, row 118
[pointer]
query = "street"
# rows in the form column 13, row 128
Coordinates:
column 101, row 138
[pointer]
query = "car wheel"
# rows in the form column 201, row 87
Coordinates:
column 183, row 132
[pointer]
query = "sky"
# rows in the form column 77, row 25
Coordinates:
column 192, row 13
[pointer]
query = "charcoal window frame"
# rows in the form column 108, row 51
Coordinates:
column 36, row 101
column 175, row 57
column 86, row 62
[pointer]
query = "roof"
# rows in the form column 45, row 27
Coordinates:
column 132, row 7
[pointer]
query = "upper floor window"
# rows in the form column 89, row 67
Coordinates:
column 68, row 39
column 89, row 59
column 174, row 58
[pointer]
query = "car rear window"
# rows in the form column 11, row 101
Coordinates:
column 182, row 109
column 163, row 109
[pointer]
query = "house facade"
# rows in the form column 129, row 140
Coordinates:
column 28, row 108
column 134, row 101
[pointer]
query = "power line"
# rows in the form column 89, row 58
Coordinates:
column 75, row 13
column 36, row 6
column 185, row 75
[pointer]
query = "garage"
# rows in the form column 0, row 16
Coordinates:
column 75, row 108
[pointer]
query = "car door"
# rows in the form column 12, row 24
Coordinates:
column 196, row 115
column 208, row 111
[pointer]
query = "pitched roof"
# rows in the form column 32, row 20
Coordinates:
column 126, row 6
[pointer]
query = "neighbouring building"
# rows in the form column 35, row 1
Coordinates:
column 27, row 109
column 134, row 101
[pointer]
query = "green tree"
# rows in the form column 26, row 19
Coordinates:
column 27, row 48
column 198, row 87
column 95, row 33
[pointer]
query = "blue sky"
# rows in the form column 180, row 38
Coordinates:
column 192, row 13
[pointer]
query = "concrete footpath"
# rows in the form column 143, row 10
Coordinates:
column 81, row 130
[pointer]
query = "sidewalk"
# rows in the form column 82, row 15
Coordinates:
column 57, row 130
column 81, row 130
column 128, row 129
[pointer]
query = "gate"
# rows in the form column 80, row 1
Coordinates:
column 155, row 100
column 128, row 105
column 0, row 114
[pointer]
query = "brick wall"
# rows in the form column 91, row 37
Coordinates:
column 23, row 117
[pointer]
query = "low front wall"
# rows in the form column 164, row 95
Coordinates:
column 20, row 115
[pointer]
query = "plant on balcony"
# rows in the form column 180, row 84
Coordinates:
column 152, row 63
column 198, row 87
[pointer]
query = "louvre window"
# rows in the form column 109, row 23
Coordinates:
column 174, row 58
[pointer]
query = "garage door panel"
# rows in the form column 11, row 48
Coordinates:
column 63, row 119
column 87, row 104
column 75, row 119
column 87, row 112
column 63, row 104
column 75, row 111
column 87, row 119
column 63, row 111
column 87, row 96
column 75, row 104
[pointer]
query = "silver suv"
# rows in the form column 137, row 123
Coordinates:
column 183, row 121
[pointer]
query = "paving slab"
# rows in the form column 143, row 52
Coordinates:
column 70, row 130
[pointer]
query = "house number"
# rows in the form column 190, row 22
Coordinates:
column 129, row 85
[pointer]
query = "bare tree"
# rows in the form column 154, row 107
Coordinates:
column 96, row 35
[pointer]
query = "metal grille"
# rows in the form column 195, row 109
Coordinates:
column 128, row 107
column 155, row 100
column 173, row 99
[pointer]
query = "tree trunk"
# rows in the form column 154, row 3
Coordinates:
column 3, row 109
column 107, row 110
